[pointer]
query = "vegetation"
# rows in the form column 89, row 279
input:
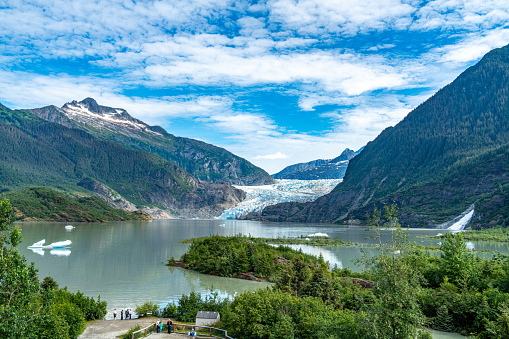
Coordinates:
column 498, row 234
column 32, row 310
column 188, row 306
column 41, row 203
column 147, row 308
column 401, row 292
column 313, row 241
column 129, row 333
column 228, row 256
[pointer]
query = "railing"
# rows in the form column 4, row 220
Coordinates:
column 144, row 331
column 201, row 331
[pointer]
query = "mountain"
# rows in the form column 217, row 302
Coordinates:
column 447, row 154
column 39, row 153
column 204, row 161
column 319, row 169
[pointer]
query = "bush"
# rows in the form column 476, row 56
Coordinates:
column 129, row 333
column 146, row 308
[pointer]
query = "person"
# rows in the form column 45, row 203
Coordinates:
column 122, row 315
column 157, row 326
column 126, row 314
column 161, row 327
column 115, row 314
column 192, row 334
column 169, row 324
column 130, row 313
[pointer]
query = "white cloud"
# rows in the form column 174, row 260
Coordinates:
column 473, row 46
column 348, row 17
column 277, row 155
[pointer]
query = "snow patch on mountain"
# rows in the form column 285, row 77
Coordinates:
column 115, row 119
column 284, row 190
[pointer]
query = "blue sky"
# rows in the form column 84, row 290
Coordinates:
column 276, row 82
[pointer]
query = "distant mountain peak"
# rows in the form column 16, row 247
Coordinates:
column 319, row 169
column 88, row 111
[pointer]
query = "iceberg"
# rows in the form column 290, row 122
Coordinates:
column 58, row 244
column 39, row 244
column 69, row 227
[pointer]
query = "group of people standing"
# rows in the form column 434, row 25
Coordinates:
column 159, row 326
column 128, row 314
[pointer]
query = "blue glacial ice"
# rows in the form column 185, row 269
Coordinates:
column 284, row 190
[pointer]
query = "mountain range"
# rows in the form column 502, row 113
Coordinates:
column 204, row 161
column 450, row 152
column 319, row 169
column 36, row 152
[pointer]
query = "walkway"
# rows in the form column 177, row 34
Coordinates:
column 110, row 329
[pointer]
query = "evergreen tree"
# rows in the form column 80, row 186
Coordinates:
column 443, row 321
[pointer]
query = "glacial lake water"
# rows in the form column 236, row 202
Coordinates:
column 124, row 261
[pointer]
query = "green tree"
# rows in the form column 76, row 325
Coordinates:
column 396, row 313
column 456, row 262
column 19, row 284
column 443, row 321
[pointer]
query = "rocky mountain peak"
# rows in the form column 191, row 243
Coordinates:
column 90, row 112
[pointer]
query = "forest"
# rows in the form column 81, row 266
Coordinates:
column 412, row 290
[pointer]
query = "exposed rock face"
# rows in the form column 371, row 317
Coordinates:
column 107, row 194
column 204, row 161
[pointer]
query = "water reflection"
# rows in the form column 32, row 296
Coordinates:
column 60, row 252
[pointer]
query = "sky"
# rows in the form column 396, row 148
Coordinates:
column 276, row 82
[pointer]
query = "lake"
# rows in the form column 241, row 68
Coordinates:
column 124, row 261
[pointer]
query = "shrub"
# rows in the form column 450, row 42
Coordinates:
column 146, row 308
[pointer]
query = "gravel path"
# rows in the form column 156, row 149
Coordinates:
column 110, row 329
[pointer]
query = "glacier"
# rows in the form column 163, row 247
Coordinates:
column 284, row 190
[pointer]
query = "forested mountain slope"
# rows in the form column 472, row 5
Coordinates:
column 425, row 163
column 204, row 161
column 36, row 152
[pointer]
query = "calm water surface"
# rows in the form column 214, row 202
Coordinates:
column 124, row 261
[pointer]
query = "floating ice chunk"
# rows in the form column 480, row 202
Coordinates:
column 439, row 234
column 69, row 227
column 318, row 235
column 60, row 244
column 470, row 245
column 39, row 244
